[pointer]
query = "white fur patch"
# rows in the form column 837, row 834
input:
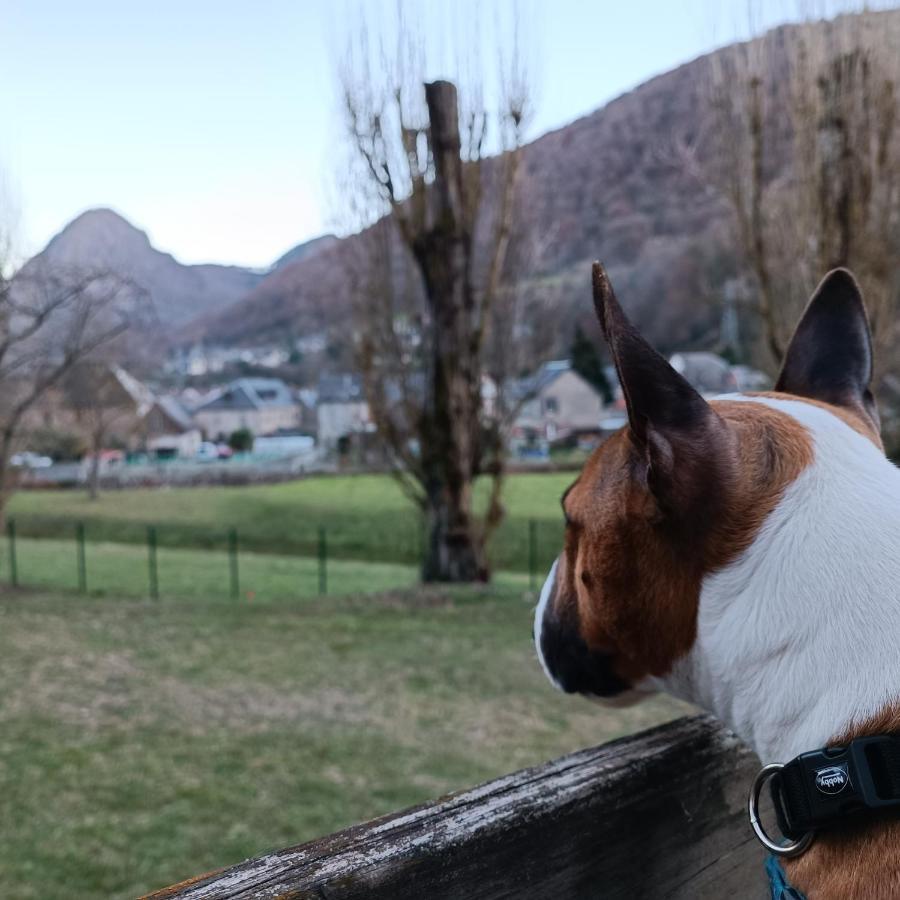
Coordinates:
column 539, row 613
column 798, row 638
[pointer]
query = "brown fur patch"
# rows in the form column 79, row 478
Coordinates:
column 857, row 419
column 632, row 572
column 860, row 861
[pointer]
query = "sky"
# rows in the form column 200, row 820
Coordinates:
column 214, row 125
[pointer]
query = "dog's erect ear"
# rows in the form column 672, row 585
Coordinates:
column 667, row 418
column 829, row 357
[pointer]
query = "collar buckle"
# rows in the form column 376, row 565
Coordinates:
column 823, row 788
column 789, row 848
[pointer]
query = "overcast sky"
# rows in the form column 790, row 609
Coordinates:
column 211, row 123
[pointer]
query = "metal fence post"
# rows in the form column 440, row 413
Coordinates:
column 13, row 566
column 323, row 561
column 82, row 561
column 532, row 553
column 233, row 563
column 151, row 562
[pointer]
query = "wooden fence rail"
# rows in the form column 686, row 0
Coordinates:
column 659, row 814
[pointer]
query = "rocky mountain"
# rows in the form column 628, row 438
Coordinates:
column 101, row 239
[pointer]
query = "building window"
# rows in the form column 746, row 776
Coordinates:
column 551, row 405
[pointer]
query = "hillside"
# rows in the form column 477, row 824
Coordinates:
column 302, row 251
column 608, row 185
column 101, row 239
column 625, row 184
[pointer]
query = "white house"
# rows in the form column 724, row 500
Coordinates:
column 263, row 405
column 341, row 409
column 557, row 404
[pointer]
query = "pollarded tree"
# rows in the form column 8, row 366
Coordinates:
column 429, row 288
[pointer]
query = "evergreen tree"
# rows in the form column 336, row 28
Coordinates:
column 588, row 363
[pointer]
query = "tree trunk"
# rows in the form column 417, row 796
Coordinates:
column 7, row 479
column 455, row 552
column 453, row 397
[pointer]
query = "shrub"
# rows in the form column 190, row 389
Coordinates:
column 241, row 441
column 60, row 446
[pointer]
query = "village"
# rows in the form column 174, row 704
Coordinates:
column 122, row 431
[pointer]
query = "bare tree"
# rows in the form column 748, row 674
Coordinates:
column 432, row 280
column 808, row 155
column 49, row 320
column 106, row 402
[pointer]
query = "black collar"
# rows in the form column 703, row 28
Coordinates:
column 827, row 788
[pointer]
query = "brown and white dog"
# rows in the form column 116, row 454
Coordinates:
column 744, row 554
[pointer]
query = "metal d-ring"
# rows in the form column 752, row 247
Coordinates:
column 791, row 848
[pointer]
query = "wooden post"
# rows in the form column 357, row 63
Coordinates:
column 82, row 560
column 151, row 562
column 323, row 560
column 659, row 814
column 532, row 554
column 233, row 564
column 13, row 563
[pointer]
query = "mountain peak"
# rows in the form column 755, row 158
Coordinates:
column 96, row 232
column 103, row 239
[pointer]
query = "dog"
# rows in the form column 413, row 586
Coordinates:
column 743, row 554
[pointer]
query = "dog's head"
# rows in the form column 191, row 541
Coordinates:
column 681, row 491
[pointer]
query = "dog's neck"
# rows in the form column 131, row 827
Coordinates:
column 796, row 640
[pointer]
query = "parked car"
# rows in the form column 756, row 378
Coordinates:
column 28, row 460
column 224, row 451
column 207, row 451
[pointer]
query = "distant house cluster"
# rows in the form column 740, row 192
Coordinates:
column 554, row 406
column 559, row 407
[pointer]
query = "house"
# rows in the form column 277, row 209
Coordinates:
column 169, row 431
column 341, row 410
column 96, row 401
column 557, row 404
column 263, row 405
column 710, row 374
column 706, row 372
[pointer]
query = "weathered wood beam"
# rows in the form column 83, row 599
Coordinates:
column 659, row 814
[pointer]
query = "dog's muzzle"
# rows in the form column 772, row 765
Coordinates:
column 565, row 658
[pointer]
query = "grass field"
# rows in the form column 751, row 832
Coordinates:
column 367, row 517
column 143, row 742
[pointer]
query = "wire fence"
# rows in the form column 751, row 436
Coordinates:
column 172, row 560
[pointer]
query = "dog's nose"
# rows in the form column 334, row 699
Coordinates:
column 573, row 666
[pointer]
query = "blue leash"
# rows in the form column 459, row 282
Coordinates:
column 781, row 887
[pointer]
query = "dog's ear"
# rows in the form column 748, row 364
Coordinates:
column 829, row 357
column 668, row 420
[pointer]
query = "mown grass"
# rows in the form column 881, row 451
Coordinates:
column 366, row 517
column 142, row 742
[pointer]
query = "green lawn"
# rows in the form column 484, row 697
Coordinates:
column 142, row 742
column 366, row 517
